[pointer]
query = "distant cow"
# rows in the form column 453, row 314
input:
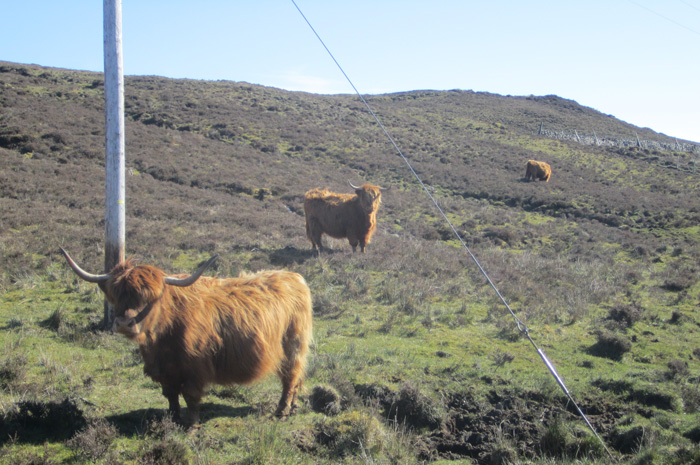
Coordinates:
column 353, row 216
column 537, row 170
column 193, row 332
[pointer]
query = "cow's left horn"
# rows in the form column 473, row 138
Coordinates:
column 89, row 277
column 354, row 187
column 184, row 282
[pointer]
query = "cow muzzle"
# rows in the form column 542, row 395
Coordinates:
column 128, row 324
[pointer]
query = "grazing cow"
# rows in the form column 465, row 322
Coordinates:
column 193, row 332
column 537, row 170
column 353, row 216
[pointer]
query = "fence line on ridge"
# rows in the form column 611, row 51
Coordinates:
column 594, row 139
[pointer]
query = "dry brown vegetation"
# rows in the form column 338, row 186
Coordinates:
column 601, row 261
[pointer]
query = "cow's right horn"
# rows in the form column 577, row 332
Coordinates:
column 354, row 187
column 89, row 277
column 188, row 281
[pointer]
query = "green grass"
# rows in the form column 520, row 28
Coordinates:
column 426, row 362
column 439, row 343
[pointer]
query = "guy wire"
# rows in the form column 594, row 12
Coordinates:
column 521, row 326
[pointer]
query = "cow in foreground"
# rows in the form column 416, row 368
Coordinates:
column 353, row 216
column 196, row 331
column 537, row 170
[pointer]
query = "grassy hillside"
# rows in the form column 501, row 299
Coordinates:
column 414, row 360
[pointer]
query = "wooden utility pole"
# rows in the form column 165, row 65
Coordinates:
column 115, row 184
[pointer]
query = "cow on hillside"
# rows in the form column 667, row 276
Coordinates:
column 353, row 216
column 537, row 170
column 196, row 331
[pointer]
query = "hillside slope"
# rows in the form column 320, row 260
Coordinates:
column 209, row 138
column 602, row 260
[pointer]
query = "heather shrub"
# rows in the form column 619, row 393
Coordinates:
column 414, row 408
column 566, row 441
column 93, row 442
column 13, row 369
column 690, row 395
column 169, row 451
column 52, row 419
column 625, row 315
column 351, row 433
column 325, row 399
column 677, row 369
column 610, row 345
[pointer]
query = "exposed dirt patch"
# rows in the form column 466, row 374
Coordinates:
column 505, row 426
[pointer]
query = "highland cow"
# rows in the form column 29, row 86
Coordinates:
column 196, row 331
column 537, row 170
column 351, row 216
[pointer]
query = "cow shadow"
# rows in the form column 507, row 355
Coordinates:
column 137, row 422
column 291, row 255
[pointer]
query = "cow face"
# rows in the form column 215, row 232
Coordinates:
column 370, row 197
column 133, row 291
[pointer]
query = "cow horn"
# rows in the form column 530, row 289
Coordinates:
column 354, row 187
column 384, row 188
column 184, row 282
column 89, row 277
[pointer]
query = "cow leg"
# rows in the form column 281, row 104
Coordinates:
column 192, row 391
column 353, row 240
column 283, row 406
column 173, row 402
column 290, row 391
column 193, row 402
column 288, row 403
column 295, row 393
column 314, row 233
column 292, row 376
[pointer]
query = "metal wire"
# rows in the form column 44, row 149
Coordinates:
column 521, row 326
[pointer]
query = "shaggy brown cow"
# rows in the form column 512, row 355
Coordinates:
column 353, row 216
column 537, row 170
column 193, row 332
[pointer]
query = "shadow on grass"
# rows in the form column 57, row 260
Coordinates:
column 39, row 422
column 136, row 422
column 291, row 255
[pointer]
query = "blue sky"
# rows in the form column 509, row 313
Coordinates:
column 634, row 59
